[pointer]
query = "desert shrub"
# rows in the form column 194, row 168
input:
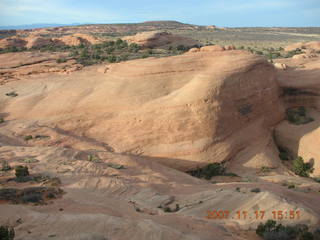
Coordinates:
column 61, row 60
column 1, row 120
column 112, row 58
column 32, row 197
column 41, row 136
column 115, row 166
column 182, row 48
column 230, row 174
column 134, row 47
column 256, row 190
column 284, row 156
column 6, row 233
column 265, row 169
column 270, row 230
column 213, row 169
column 93, row 158
column 298, row 116
column 12, row 94
column 5, row 166
column 28, row 137
column 21, row 171
column 292, row 53
column 291, row 186
column 301, row 168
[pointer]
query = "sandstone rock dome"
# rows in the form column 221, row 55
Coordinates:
column 154, row 39
column 209, row 106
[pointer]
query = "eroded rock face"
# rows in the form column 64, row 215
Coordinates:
column 184, row 110
column 12, row 42
column 301, row 88
column 159, row 39
column 15, row 66
column 77, row 39
column 35, row 41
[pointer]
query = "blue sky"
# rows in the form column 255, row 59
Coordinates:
column 229, row 13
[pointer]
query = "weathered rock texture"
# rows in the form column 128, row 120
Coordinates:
column 35, row 41
column 160, row 39
column 300, row 86
column 208, row 106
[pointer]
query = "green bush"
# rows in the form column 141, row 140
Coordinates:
column 6, row 233
column 1, row 120
column 256, row 190
column 298, row 116
column 213, row 169
column 301, row 168
column 28, row 137
column 21, row 171
column 61, row 60
column 270, row 230
column 284, row 156
column 12, row 94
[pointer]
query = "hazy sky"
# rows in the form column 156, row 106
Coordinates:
column 206, row 12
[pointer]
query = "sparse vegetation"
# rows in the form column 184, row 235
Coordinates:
column 270, row 230
column 283, row 154
column 21, row 171
column 5, row 166
column 298, row 116
column 38, row 137
column 301, row 168
column 28, row 137
column 30, row 160
column 291, row 186
column 61, row 60
column 115, row 165
column 265, row 169
column 93, row 158
column 12, row 94
column 7, row 233
column 35, row 195
column 213, row 169
column 255, row 190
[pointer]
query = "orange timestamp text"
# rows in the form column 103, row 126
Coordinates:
column 258, row 214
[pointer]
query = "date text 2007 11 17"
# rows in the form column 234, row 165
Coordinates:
column 259, row 215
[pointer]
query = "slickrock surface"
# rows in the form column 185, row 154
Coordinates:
column 16, row 66
column 300, row 85
column 160, row 39
column 35, row 41
column 209, row 106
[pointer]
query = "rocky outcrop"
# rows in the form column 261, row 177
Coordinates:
column 12, row 42
column 18, row 65
column 37, row 41
column 76, row 39
column 209, row 107
column 212, row 48
column 301, row 88
column 155, row 39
